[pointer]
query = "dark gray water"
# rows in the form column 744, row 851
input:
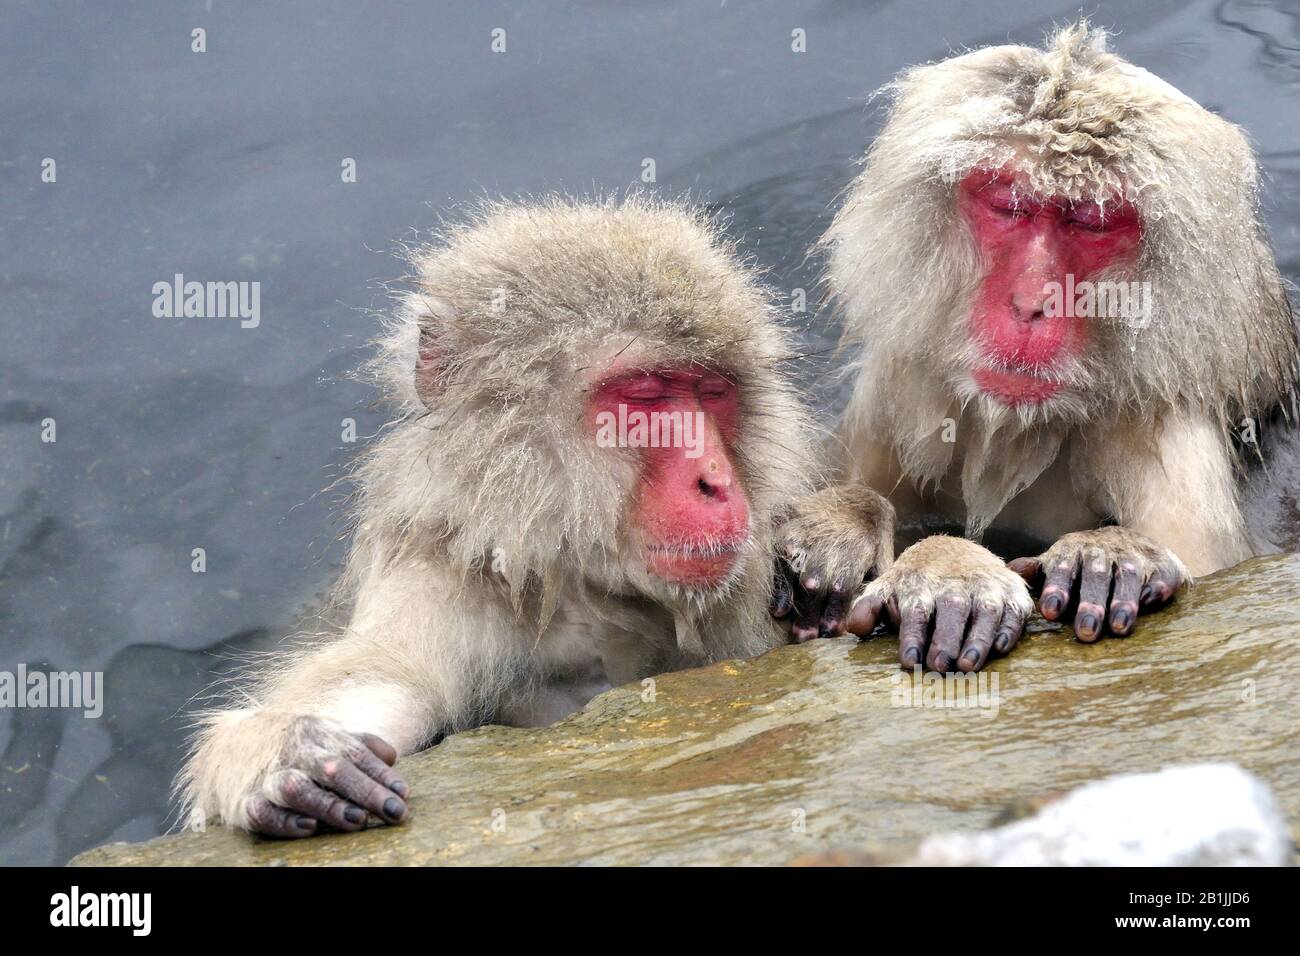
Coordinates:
column 175, row 434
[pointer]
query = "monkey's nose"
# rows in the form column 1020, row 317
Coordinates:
column 715, row 479
column 1027, row 306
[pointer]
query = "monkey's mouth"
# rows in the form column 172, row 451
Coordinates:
column 698, row 565
column 1015, row 388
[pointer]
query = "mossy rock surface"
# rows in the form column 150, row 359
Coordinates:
column 811, row 748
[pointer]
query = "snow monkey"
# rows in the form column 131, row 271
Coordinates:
column 1071, row 331
column 593, row 434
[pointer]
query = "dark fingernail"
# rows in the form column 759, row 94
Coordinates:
column 1087, row 622
column 942, row 661
column 912, row 656
column 1053, row 603
column 305, row 823
column 354, row 815
column 1146, row 593
column 398, row 787
column 972, row 655
column 1120, row 620
column 1002, row 642
column 393, row 808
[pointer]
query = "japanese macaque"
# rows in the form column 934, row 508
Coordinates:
column 1071, row 335
column 593, row 434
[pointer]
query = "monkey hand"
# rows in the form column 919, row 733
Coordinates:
column 327, row 775
column 951, row 595
column 285, row 774
column 1103, row 579
column 828, row 546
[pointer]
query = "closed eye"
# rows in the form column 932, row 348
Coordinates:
column 1089, row 216
column 1006, row 201
column 643, row 390
column 715, row 387
column 1092, row 221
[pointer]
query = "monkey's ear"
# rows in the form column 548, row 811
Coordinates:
column 434, row 318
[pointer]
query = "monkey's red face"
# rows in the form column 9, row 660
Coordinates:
column 689, row 509
column 1035, row 250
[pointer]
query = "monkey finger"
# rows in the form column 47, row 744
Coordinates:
column 980, row 639
column 1031, row 569
column 891, row 609
column 265, row 817
column 1094, row 592
column 380, row 748
column 782, row 591
column 1058, row 587
column 1124, row 598
column 865, row 615
column 378, row 771
column 950, row 616
column 295, row 790
column 1009, row 631
column 1161, row 586
column 809, row 602
column 343, row 777
column 837, row 605
column 912, row 624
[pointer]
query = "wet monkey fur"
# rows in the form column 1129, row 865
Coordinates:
column 506, row 563
column 1118, row 449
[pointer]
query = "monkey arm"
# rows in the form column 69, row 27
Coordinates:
column 1187, row 501
column 316, row 742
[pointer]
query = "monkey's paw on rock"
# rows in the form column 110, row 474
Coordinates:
column 815, row 747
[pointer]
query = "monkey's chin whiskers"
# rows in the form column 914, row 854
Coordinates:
column 1016, row 386
column 689, row 550
column 694, row 564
